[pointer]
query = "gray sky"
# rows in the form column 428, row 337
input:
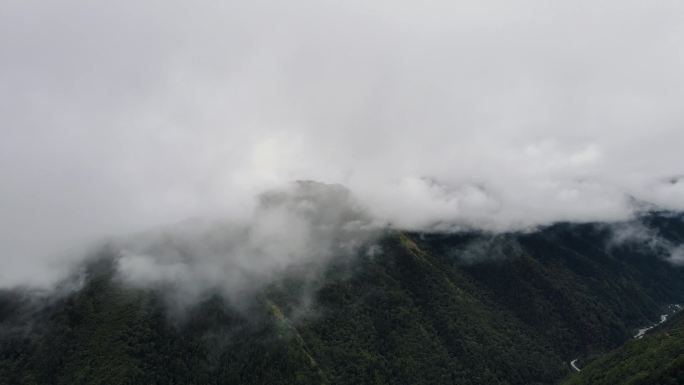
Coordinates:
column 121, row 116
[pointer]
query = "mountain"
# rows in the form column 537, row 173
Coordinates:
column 657, row 359
column 459, row 308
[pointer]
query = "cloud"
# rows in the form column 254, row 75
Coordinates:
column 637, row 235
column 299, row 229
column 492, row 114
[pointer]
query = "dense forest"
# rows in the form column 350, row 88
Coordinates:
column 657, row 359
column 459, row 308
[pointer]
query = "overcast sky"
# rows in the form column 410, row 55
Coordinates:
column 121, row 116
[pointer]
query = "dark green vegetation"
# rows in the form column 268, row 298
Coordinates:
column 657, row 359
column 429, row 309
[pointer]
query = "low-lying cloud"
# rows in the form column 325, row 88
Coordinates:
column 639, row 236
column 500, row 115
column 298, row 229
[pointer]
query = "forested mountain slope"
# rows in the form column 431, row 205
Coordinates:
column 466, row 308
column 657, row 359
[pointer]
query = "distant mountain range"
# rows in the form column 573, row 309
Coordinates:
column 459, row 308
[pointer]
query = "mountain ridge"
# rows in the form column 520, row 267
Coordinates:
column 465, row 308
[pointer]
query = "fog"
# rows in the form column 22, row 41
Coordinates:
column 636, row 235
column 295, row 231
column 117, row 118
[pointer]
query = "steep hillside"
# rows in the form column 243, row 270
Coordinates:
column 464, row 308
column 657, row 359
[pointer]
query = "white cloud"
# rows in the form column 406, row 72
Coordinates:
column 117, row 117
column 299, row 227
